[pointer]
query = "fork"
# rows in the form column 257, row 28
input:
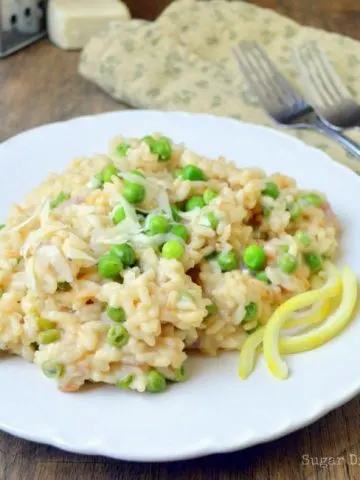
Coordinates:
column 330, row 97
column 279, row 99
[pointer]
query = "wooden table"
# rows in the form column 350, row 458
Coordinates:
column 40, row 85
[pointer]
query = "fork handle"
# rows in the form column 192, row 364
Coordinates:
column 349, row 145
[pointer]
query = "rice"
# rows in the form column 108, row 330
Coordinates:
column 49, row 265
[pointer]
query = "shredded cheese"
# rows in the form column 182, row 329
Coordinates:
column 34, row 216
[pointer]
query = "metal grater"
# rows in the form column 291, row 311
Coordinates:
column 21, row 22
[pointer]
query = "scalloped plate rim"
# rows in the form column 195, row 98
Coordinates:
column 207, row 445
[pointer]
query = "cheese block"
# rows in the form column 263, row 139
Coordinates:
column 71, row 23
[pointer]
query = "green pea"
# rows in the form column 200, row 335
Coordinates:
column 134, row 192
column 193, row 173
column 312, row 199
column 159, row 224
column 62, row 197
column 156, row 382
column 175, row 212
column 287, row 263
column 63, row 287
column 163, row 149
column 125, row 383
column 251, row 310
column 119, row 215
column 213, row 220
column 254, row 257
column 295, row 211
column 212, row 309
column 262, row 277
column 117, row 315
column 110, row 266
column 125, row 252
column 2, row 225
column 149, row 140
column 100, row 179
column 109, row 172
column 44, row 324
column 180, row 374
column 180, row 231
column 209, row 196
column 228, row 261
column 52, row 369
column 160, row 147
column 122, row 149
column 118, row 336
column 173, row 249
column 49, row 336
column 303, row 238
column 314, row 261
column 271, row 190
column 194, row 202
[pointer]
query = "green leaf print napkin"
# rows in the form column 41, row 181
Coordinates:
column 183, row 61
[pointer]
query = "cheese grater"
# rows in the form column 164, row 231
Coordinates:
column 21, row 22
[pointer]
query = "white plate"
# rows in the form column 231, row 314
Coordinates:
column 213, row 411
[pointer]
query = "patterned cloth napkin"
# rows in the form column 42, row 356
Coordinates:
column 183, row 61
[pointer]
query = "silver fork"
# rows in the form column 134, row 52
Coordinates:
column 279, row 99
column 327, row 92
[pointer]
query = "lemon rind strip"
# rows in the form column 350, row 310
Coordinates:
column 272, row 356
column 335, row 324
column 248, row 353
column 312, row 318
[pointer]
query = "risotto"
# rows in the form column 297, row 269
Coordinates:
column 115, row 270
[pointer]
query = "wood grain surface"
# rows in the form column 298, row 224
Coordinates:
column 40, row 85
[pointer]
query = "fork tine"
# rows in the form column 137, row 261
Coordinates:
column 253, row 79
column 310, row 77
column 321, row 79
column 273, row 92
column 315, row 70
column 281, row 84
column 329, row 70
column 265, row 79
